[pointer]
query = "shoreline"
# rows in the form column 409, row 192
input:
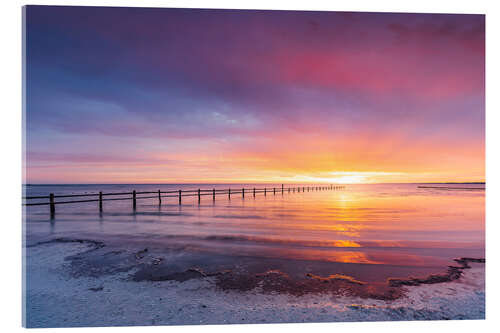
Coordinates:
column 105, row 293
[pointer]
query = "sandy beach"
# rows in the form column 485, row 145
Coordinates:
column 74, row 283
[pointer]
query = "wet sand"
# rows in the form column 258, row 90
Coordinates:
column 86, row 283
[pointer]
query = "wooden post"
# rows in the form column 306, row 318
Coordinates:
column 180, row 197
column 52, row 206
column 281, row 188
column 134, row 204
column 213, row 194
column 265, row 191
column 254, row 192
column 159, row 197
column 243, row 192
column 274, row 190
column 100, row 201
column 288, row 190
column 199, row 196
column 229, row 194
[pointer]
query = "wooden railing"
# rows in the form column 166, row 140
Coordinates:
column 179, row 194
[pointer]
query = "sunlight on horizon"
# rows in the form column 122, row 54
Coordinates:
column 349, row 177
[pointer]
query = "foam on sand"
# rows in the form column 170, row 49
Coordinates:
column 63, row 289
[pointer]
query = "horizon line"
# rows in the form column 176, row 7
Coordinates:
column 230, row 183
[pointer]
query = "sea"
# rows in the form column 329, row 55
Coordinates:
column 370, row 232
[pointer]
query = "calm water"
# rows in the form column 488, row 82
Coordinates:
column 370, row 232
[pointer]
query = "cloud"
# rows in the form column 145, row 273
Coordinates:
column 256, row 86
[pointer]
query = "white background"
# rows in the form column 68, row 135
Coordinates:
column 11, row 144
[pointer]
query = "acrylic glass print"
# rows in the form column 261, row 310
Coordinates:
column 194, row 166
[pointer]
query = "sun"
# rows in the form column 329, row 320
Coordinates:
column 351, row 179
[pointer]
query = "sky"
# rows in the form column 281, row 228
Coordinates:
column 149, row 95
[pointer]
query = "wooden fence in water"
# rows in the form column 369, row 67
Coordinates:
column 179, row 194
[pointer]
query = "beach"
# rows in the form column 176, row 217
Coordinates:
column 58, row 296
column 188, row 166
column 366, row 253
